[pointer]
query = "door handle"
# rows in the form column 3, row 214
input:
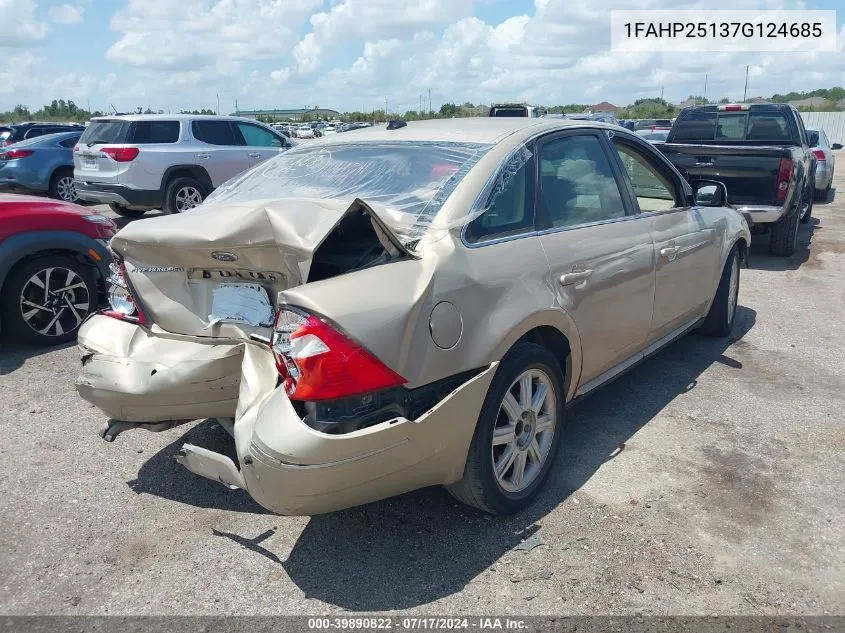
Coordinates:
column 255, row 155
column 203, row 156
column 670, row 252
column 568, row 279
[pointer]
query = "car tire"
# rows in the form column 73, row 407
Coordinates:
column 720, row 319
column 126, row 213
column 61, row 185
column 784, row 238
column 182, row 194
column 480, row 486
column 821, row 195
column 53, row 317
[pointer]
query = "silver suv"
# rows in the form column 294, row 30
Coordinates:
column 171, row 162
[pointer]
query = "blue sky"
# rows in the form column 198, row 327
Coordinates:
column 349, row 54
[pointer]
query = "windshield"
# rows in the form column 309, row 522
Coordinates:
column 411, row 179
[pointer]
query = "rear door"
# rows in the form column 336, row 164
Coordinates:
column 262, row 143
column 600, row 255
column 685, row 244
column 220, row 149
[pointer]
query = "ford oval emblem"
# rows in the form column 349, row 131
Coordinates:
column 224, row 256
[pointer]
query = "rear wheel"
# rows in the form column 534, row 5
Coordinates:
column 784, row 238
column 720, row 318
column 821, row 195
column 46, row 299
column 517, row 435
column 126, row 213
column 183, row 194
column 62, row 187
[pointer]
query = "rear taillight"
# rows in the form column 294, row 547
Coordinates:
column 819, row 154
column 123, row 305
column 317, row 362
column 121, row 154
column 784, row 176
column 12, row 154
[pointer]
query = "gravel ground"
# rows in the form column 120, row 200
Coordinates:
column 708, row 480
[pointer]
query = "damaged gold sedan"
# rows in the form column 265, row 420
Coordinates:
column 397, row 308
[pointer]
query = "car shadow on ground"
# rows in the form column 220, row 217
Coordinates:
column 760, row 259
column 424, row 545
column 122, row 221
column 831, row 196
column 13, row 356
column 163, row 477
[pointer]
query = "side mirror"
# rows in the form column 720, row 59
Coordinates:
column 836, row 146
column 813, row 138
column 710, row 193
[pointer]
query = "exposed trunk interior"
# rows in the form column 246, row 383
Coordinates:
column 352, row 245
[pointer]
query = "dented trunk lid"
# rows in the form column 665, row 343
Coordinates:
column 176, row 264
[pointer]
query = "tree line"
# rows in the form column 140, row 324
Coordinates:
column 649, row 108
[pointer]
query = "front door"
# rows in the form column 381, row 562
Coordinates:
column 685, row 250
column 600, row 256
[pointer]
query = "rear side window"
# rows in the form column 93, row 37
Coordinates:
column 33, row 133
column 510, row 209
column 69, row 142
column 144, row 132
column 105, row 131
column 215, row 132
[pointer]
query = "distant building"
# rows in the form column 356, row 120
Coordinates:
column 295, row 114
column 605, row 107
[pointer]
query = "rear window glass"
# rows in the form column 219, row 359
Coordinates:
column 509, row 112
column 107, row 131
column 732, row 126
column 155, row 132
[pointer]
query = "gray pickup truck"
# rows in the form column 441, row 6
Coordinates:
column 761, row 152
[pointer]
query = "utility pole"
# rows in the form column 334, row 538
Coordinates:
column 429, row 100
column 385, row 108
column 745, row 92
column 705, row 87
column 218, row 104
column 661, row 93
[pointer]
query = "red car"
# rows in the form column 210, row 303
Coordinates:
column 53, row 262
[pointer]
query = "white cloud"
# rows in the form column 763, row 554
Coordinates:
column 186, row 35
column 22, row 28
column 66, row 13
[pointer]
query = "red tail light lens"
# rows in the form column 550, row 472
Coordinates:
column 123, row 305
column 317, row 362
column 122, row 154
column 784, row 176
column 819, row 154
column 12, row 154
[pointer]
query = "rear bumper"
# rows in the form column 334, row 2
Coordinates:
column 133, row 375
column 824, row 176
column 118, row 194
column 761, row 214
column 18, row 178
column 290, row 468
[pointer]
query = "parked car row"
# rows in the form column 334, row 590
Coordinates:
column 407, row 309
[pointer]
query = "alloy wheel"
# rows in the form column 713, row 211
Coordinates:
column 54, row 301
column 66, row 189
column 524, row 432
column 187, row 198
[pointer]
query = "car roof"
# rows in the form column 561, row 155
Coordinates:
column 464, row 130
column 173, row 117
